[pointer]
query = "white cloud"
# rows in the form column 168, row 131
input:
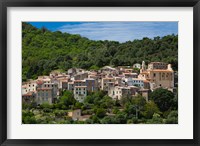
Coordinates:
column 120, row 31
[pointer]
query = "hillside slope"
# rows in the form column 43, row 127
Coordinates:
column 43, row 51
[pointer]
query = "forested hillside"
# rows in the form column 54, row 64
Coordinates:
column 44, row 51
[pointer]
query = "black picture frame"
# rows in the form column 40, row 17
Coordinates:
column 4, row 4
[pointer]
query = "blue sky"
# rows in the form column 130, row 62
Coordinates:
column 116, row 31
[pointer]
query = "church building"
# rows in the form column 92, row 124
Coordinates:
column 159, row 74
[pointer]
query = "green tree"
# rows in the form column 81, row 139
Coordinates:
column 156, row 119
column 163, row 98
column 44, row 51
column 172, row 118
column 149, row 109
column 28, row 117
column 121, row 118
column 67, row 99
column 107, row 120
column 100, row 112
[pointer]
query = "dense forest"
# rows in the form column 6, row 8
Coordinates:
column 44, row 51
column 162, row 108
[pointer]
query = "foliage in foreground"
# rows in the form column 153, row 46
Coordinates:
column 104, row 110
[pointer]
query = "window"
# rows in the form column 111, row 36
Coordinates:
column 46, row 94
column 154, row 75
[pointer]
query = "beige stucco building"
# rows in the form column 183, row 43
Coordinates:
column 118, row 92
column 107, row 83
column 158, row 75
column 29, row 87
column 80, row 93
column 75, row 114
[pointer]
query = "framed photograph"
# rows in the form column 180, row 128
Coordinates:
column 99, row 72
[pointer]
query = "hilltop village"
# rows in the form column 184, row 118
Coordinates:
column 117, row 82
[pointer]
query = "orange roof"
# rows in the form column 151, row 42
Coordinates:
column 161, row 70
column 44, row 89
column 39, row 82
column 146, row 81
column 107, row 78
column 156, row 70
column 24, row 86
column 28, row 94
column 70, row 82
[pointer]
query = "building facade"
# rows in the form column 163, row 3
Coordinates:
column 158, row 77
column 80, row 93
column 29, row 87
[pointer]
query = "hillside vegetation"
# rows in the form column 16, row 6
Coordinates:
column 44, row 51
